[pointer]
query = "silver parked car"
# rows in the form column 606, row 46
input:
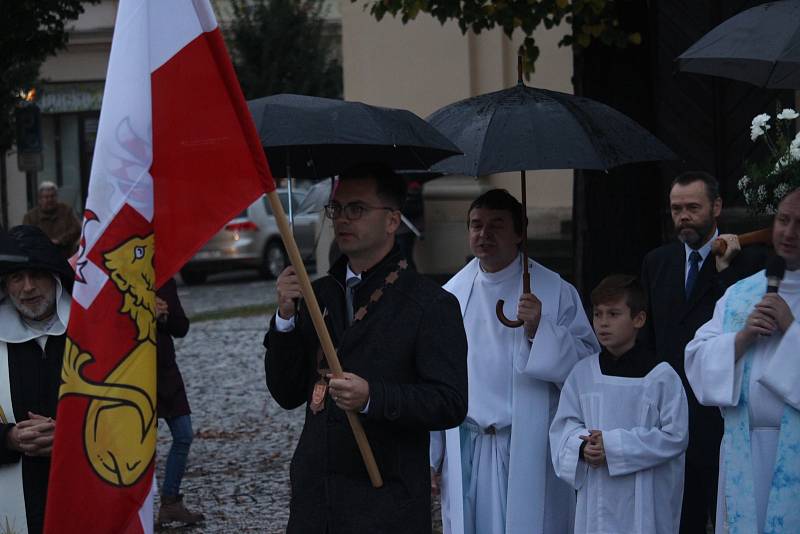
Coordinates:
column 252, row 240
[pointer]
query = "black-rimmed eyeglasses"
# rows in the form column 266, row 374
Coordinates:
column 352, row 211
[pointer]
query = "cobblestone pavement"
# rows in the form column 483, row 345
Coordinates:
column 226, row 290
column 238, row 472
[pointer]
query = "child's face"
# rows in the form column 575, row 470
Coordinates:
column 615, row 328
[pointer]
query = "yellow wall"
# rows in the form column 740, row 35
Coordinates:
column 422, row 66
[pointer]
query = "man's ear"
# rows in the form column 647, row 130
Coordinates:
column 639, row 319
column 394, row 222
column 716, row 207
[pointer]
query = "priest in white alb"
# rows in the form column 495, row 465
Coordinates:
column 494, row 470
column 746, row 360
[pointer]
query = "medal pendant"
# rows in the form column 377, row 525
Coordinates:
column 318, row 397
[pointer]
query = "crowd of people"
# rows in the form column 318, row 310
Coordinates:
column 671, row 407
column 563, row 425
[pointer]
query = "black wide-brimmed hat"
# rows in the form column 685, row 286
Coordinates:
column 28, row 247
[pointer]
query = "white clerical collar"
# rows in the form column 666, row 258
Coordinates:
column 512, row 269
column 704, row 251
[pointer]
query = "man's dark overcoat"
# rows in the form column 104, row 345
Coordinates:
column 672, row 321
column 411, row 348
column 60, row 224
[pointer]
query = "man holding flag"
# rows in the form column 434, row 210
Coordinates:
column 402, row 344
column 173, row 121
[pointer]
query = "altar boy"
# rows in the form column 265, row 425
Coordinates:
column 621, row 428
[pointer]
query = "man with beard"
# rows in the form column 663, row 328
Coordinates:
column 683, row 281
column 34, row 310
column 55, row 218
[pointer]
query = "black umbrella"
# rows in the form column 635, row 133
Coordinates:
column 523, row 128
column 760, row 46
column 527, row 128
column 313, row 137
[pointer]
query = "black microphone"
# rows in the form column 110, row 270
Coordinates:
column 776, row 268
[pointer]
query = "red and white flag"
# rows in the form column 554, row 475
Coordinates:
column 177, row 156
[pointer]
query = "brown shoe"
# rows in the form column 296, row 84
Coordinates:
column 173, row 511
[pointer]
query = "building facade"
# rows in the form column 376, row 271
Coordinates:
column 420, row 66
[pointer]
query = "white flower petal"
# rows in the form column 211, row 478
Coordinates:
column 760, row 120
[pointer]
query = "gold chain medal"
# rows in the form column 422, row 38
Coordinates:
column 321, row 387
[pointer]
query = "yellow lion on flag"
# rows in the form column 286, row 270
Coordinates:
column 121, row 422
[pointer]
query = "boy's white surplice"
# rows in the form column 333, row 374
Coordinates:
column 716, row 378
column 537, row 502
column 645, row 432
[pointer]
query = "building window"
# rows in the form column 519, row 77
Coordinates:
column 68, row 141
column 70, row 115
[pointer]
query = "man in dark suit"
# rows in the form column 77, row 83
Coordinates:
column 683, row 281
column 401, row 341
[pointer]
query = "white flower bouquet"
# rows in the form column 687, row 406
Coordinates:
column 766, row 183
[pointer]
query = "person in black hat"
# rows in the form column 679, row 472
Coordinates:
column 35, row 285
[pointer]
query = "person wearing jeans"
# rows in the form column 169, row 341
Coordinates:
column 181, row 429
column 173, row 406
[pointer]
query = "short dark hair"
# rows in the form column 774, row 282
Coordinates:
column 689, row 177
column 390, row 187
column 500, row 199
column 616, row 286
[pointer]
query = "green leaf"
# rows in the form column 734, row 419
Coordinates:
column 594, row 19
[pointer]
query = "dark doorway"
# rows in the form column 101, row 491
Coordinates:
column 620, row 215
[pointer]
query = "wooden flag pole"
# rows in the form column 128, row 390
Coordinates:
column 322, row 331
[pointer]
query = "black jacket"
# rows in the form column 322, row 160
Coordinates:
column 35, row 376
column 170, row 389
column 412, row 349
column 672, row 322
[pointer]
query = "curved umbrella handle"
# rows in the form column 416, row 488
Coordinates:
column 516, row 323
column 526, row 288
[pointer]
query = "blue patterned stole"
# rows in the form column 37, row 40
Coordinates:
column 783, row 509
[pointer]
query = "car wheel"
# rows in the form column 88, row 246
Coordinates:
column 275, row 260
column 193, row 278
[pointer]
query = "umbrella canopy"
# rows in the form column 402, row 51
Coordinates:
column 317, row 137
column 523, row 128
column 419, row 176
column 760, row 46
